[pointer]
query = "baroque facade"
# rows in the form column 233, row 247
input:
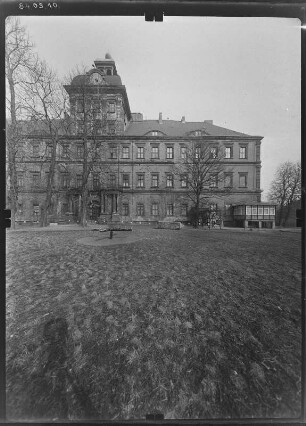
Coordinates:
column 132, row 174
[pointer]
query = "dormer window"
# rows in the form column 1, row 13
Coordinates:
column 154, row 133
column 197, row 133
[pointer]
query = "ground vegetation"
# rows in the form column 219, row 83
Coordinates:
column 191, row 323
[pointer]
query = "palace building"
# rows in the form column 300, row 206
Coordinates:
column 132, row 175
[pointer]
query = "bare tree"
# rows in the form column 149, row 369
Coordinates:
column 45, row 103
column 19, row 60
column 202, row 170
column 286, row 188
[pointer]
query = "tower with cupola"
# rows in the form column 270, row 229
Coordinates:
column 98, row 100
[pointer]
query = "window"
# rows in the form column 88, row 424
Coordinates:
column 64, row 208
column 20, row 207
column 258, row 177
column 213, row 207
column 272, row 211
column 266, row 211
column 140, row 209
column 111, row 130
column 126, row 181
column 140, row 152
column 125, row 209
column 197, row 152
column 213, row 152
column 197, row 133
column 183, row 181
column 260, row 210
column 155, row 209
column 97, row 112
column 65, row 150
column 112, row 180
column 154, row 133
column 242, row 180
column 36, row 207
column 254, row 211
column 213, row 180
column 35, row 178
column 65, row 180
column 125, row 152
column 49, row 151
column 79, row 181
column 242, row 152
column 169, row 181
column 111, row 107
column 154, row 180
column 228, row 180
column 95, row 181
column 140, row 181
column 35, row 150
column 183, row 152
column 184, row 209
column 227, row 209
column 79, row 107
column 169, row 152
column 80, row 126
column 20, row 180
column 80, row 151
column 113, row 152
column 169, row 210
column 154, row 152
column 228, row 152
column 258, row 151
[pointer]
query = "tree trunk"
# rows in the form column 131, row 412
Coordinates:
column 86, row 171
column 13, row 193
column 197, row 213
column 49, row 189
column 288, row 211
column 83, row 217
column 280, row 215
column 45, row 210
column 11, row 146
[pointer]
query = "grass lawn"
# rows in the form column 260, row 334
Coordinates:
column 192, row 323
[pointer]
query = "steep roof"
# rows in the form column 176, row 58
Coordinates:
column 177, row 128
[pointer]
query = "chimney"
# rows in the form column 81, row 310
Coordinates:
column 183, row 119
column 160, row 120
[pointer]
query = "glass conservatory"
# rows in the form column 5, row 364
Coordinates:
column 257, row 215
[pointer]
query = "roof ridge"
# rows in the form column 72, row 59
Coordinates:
column 178, row 128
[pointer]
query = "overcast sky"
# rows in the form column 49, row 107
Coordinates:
column 242, row 73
